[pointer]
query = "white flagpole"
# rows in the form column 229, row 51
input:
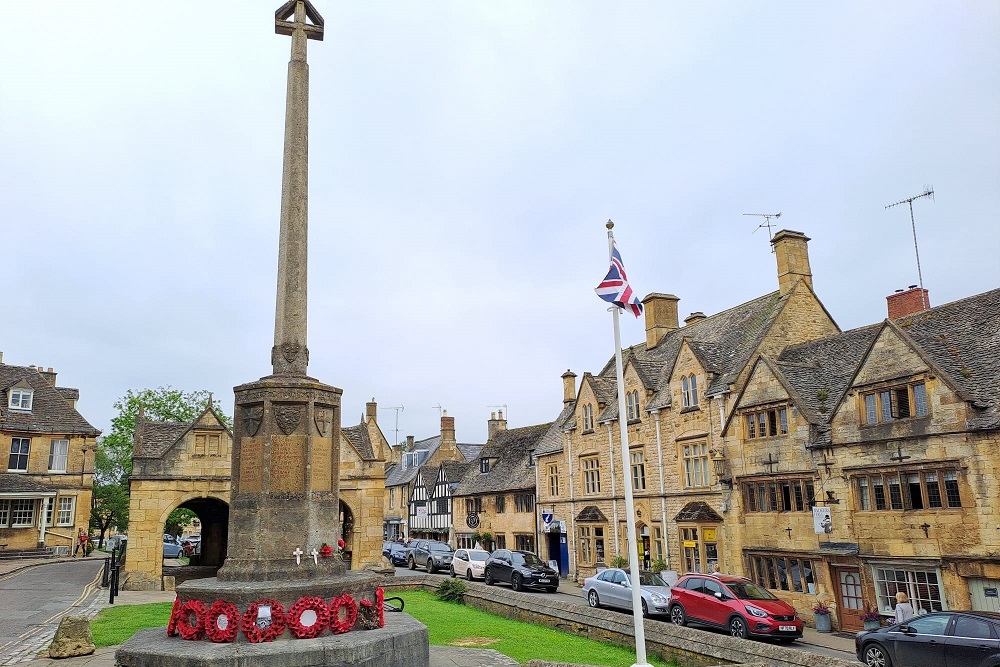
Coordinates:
column 633, row 552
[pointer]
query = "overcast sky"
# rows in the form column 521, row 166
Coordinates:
column 464, row 157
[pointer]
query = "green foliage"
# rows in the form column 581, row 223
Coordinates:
column 116, row 624
column 658, row 565
column 179, row 518
column 113, row 460
column 619, row 561
column 451, row 590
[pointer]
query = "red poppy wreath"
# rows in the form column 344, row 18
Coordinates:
column 172, row 623
column 340, row 625
column 222, row 622
column 191, row 620
column 321, row 617
column 263, row 628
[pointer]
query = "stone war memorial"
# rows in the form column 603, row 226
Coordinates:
column 283, row 595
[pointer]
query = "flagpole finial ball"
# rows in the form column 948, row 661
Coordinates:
column 609, row 224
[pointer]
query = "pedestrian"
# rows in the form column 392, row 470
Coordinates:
column 81, row 543
column 904, row 610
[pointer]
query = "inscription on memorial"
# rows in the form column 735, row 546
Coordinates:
column 321, row 470
column 251, row 465
column 288, row 464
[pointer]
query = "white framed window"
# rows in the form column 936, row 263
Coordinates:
column 19, row 448
column 921, row 585
column 58, row 454
column 67, row 505
column 22, row 512
column 392, row 497
column 638, row 470
column 484, row 465
column 591, row 475
column 632, row 405
column 50, row 504
column 20, row 399
column 588, row 417
column 696, row 462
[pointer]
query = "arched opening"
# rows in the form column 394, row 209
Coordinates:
column 347, row 531
column 207, row 557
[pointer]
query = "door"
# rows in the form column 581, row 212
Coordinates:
column 850, row 602
column 985, row 594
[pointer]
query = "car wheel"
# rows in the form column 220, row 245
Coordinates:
column 738, row 627
column 489, row 577
column 645, row 609
column 677, row 615
column 410, row 564
column 431, row 567
column 452, row 568
column 875, row 656
column 515, row 582
column 468, row 574
column 593, row 599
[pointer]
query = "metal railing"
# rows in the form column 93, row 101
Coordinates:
column 113, row 566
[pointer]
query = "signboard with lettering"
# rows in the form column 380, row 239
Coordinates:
column 822, row 523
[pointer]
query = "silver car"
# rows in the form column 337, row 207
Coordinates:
column 469, row 563
column 613, row 588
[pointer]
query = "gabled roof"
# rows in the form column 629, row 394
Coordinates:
column 151, row 440
column 552, row 441
column 509, row 462
column 724, row 343
column 358, row 437
column 698, row 511
column 400, row 475
column 51, row 411
column 469, row 451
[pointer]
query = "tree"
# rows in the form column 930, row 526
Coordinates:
column 179, row 518
column 113, row 461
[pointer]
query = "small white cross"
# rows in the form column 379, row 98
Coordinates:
column 315, row 555
column 298, row 556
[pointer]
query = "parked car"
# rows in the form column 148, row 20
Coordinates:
column 397, row 553
column 430, row 555
column 613, row 588
column 191, row 545
column 171, row 547
column 521, row 569
column 734, row 603
column 469, row 563
column 967, row 638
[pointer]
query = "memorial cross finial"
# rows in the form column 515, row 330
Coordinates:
column 315, row 555
column 298, row 555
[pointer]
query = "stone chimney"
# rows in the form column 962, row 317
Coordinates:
column 1, row 357
column 371, row 411
column 907, row 302
column 495, row 425
column 409, row 443
column 661, row 317
column 569, row 387
column 447, row 428
column 49, row 375
column 791, row 250
column 694, row 318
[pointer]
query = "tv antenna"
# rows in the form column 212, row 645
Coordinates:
column 438, row 408
column 504, row 406
column 928, row 192
column 398, row 409
column 767, row 223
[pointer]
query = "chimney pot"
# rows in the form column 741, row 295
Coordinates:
column 907, row 302
column 791, row 251
column 569, row 387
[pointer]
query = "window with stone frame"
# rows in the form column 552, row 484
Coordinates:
column 553, row 472
column 765, row 422
column 20, row 398
column 22, row 512
column 484, row 465
column 524, row 542
column 473, row 505
column 658, row 543
column 591, row 467
column 638, row 461
column 501, row 503
column 910, row 489
column 632, row 405
column 207, row 444
column 588, row 417
column 779, row 573
column 696, row 463
column 591, row 537
column 921, row 584
column 689, row 391
column 58, row 455
column 392, row 497
column 903, row 401
column 19, row 450
column 524, row 502
column 66, row 513
column 499, row 541
column 778, row 495
column 699, row 547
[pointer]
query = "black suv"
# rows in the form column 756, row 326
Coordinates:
column 522, row 569
column 430, row 555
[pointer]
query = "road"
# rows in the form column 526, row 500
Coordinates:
column 35, row 599
column 568, row 592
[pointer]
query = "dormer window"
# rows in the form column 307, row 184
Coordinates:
column 766, row 423
column 484, row 465
column 900, row 402
column 20, row 399
column 632, row 405
column 588, row 417
column 413, row 459
column 689, row 391
column 531, row 458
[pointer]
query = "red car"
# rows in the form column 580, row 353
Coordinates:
column 734, row 603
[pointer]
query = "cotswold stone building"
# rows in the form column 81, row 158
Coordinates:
column 679, row 390
column 46, row 489
column 893, row 432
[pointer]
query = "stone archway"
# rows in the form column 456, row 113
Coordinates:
column 214, row 516
column 347, row 530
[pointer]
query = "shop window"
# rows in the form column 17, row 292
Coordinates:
column 922, row 586
column 700, row 548
column 524, row 543
column 591, row 543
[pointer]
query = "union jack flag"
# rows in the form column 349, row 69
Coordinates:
column 615, row 288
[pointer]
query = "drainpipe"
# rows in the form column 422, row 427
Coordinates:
column 663, row 497
column 571, row 531
column 614, row 488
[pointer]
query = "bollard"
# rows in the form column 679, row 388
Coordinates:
column 104, row 575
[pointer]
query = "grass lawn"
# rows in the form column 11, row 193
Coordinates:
column 448, row 624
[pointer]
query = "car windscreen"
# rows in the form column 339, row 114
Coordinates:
column 526, row 559
column 478, row 556
column 746, row 590
column 437, row 546
column 650, row 579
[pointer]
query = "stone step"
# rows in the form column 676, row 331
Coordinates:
column 21, row 554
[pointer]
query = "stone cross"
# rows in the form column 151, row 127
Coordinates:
column 298, row 556
column 290, row 356
column 315, row 555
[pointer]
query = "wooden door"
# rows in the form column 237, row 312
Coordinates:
column 850, row 602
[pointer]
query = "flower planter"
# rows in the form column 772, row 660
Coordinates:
column 823, row 623
column 873, row 625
